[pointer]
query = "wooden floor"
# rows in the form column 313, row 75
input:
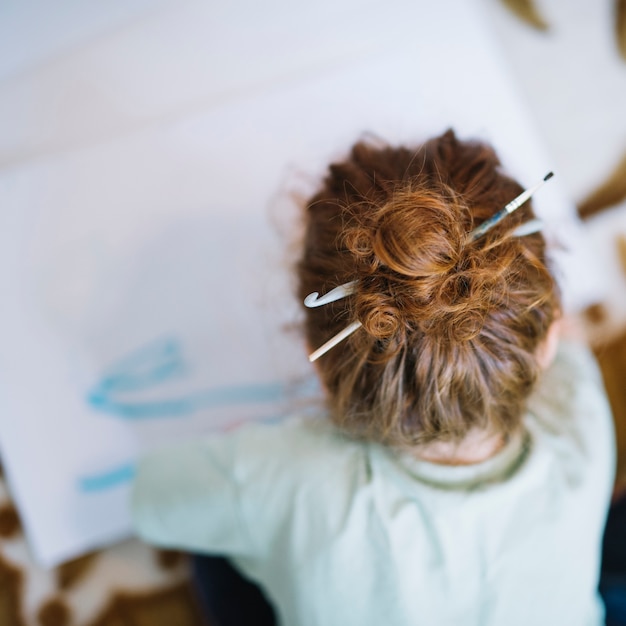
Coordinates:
column 612, row 359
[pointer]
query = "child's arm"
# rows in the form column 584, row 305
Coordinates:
column 187, row 497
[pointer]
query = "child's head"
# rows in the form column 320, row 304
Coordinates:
column 450, row 330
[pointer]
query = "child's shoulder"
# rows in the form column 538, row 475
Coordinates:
column 572, row 388
column 570, row 417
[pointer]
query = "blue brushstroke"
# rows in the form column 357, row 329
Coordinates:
column 156, row 363
column 192, row 403
column 141, row 380
column 107, row 480
column 160, row 362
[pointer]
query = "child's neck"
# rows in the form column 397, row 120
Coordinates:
column 478, row 446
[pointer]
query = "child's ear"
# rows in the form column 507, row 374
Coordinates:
column 548, row 347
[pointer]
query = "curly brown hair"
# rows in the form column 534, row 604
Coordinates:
column 450, row 328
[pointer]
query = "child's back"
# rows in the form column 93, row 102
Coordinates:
column 341, row 519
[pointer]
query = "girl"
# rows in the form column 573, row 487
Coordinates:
column 462, row 473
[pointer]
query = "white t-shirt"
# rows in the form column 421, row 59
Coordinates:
column 349, row 533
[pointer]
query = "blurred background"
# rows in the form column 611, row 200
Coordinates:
column 141, row 140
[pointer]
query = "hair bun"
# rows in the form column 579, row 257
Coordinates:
column 380, row 317
column 416, row 235
column 383, row 320
column 410, row 252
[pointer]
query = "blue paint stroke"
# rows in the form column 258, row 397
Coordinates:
column 156, row 363
column 107, row 480
column 162, row 361
column 192, row 403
